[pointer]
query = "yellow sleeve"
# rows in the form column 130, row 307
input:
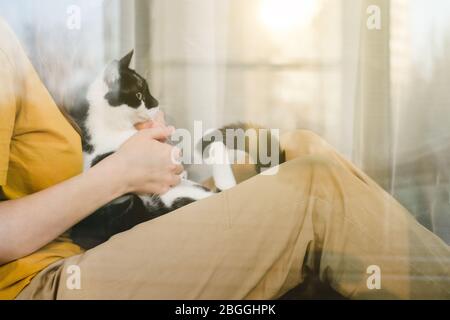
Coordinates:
column 8, row 107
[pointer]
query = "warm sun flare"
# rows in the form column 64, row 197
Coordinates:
column 282, row 15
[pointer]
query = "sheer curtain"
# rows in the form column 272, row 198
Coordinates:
column 420, row 48
column 315, row 64
column 379, row 95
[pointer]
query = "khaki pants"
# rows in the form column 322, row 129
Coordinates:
column 318, row 216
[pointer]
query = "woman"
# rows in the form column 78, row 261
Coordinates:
column 318, row 216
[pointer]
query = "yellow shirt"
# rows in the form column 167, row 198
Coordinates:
column 38, row 148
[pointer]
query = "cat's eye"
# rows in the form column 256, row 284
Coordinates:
column 139, row 96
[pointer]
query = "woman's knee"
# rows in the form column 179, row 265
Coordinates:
column 302, row 142
column 311, row 164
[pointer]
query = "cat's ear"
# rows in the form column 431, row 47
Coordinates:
column 112, row 74
column 125, row 61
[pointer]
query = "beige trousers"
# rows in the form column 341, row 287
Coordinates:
column 319, row 215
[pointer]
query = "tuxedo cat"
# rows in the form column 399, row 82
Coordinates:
column 117, row 100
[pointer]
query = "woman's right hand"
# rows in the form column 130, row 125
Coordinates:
column 145, row 165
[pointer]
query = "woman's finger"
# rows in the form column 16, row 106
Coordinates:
column 159, row 133
column 176, row 181
column 177, row 169
column 144, row 125
column 175, row 155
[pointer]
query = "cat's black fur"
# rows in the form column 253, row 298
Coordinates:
column 111, row 219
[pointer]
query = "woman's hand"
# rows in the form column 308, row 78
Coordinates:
column 145, row 165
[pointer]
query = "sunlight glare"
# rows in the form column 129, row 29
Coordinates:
column 282, row 15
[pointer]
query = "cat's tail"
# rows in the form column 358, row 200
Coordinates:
column 258, row 145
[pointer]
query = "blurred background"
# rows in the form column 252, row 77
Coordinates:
column 380, row 96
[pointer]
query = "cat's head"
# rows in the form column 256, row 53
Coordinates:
column 125, row 92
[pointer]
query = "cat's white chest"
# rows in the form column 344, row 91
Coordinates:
column 105, row 142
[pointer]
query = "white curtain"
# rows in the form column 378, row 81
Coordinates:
column 420, row 68
column 315, row 64
column 379, row 96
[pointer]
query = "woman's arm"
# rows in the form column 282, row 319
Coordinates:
column 141, row 165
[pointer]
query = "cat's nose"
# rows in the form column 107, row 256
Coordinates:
column 153, row 103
